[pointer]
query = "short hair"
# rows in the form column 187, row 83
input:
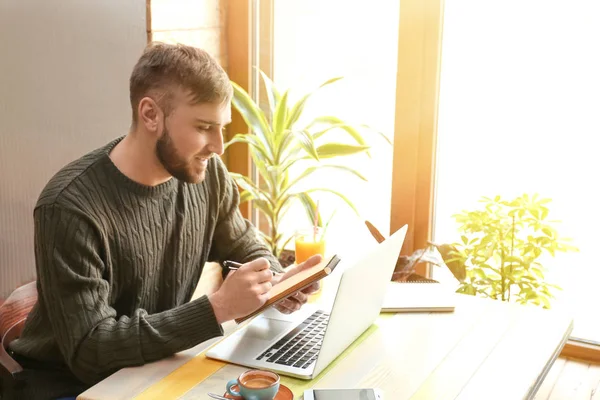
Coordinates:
column 163, row 68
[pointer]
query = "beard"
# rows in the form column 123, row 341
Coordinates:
column 176, row 165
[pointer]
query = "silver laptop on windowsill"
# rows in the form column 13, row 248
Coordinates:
column 306, row 342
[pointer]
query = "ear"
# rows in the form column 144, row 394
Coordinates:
column 150, row 115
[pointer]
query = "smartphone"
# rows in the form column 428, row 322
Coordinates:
column 343, row 394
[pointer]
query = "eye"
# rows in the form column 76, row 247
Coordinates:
column 203, row 127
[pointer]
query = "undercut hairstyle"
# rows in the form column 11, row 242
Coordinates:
column 163, row 68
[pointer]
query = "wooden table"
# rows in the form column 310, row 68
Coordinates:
column 484, row 350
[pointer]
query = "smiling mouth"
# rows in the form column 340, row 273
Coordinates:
column 202, row 161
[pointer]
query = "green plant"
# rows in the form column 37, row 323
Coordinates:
column 277, row 143
column 500, row 249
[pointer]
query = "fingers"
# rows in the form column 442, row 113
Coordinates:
column 312, row 288
column 295, row 301
column 300, row 297
column 259, row 269
column 263, row 299
column 287, row 306
column 311, row 262
column 263, row 288
column 266, row 275
column 257, row 265
column 282, row 310
column 292, row 303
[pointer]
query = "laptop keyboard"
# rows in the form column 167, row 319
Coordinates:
column 300, row 347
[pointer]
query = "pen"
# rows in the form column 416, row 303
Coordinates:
column 231, row 265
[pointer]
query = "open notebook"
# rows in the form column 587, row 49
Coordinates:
column 418, row 297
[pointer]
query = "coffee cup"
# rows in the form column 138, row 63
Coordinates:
column 255, row 384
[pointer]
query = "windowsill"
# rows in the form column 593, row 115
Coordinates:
column 582, row 350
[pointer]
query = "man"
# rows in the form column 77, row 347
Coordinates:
column 123, row 233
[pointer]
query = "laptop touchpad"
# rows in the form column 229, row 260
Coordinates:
column 266, row 328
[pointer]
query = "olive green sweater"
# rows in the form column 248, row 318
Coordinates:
column 117, row 264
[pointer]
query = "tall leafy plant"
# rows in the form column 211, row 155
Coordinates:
column 277, row 143
column 501, row 246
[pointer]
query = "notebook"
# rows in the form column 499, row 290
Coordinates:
column 295, row 283
column 418, row 297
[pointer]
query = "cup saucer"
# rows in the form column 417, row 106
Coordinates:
column 284, row 393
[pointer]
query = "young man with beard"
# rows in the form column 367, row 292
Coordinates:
column 122, row 235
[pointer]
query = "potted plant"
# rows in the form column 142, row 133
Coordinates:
column 277, row 143
column 498, row 256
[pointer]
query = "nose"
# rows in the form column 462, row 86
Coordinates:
column 216, row 144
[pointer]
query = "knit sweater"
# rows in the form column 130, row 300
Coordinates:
column 117, row 263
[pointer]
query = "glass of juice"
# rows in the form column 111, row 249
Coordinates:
column 309, row 242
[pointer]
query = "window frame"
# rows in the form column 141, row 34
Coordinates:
column 415, row 133
column 238, row 42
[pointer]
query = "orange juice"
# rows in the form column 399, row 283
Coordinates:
column 308, row 243
column 306, row 247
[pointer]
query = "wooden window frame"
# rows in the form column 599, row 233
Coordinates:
column 238, row 45
column 415, row 130
column 240, row 15
column 148, row 21
column 581, row 350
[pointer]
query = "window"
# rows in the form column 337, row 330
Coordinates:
column 315, row 40
column 519, row 112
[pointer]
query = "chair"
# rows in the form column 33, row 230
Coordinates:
column 13, row 313
column 210, row 280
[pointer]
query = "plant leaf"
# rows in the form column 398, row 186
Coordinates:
column 340, row 195
column 311, row 170
column 246, row 184
column 273, row 95
column 307, row 143
column 289, row 163
column 287, row 242
column 269, row 178
column 383, row 135
column 348, row 128
column 279, row 117
column 299, row 106
column 330, row 150
column 284, row 142
column 296, row 111
column 246, row 196
column 264, row 206
column 337, row 123
column 253, row 142
column 310, row 207
column 253, row 116
column 548, row 232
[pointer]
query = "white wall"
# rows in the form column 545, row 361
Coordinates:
column 64, row 71
column 199, row 23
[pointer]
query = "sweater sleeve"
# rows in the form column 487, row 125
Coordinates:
column 92, row 338
column 235, row 238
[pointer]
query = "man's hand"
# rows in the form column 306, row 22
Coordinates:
column 295, row 301
column 243, row 291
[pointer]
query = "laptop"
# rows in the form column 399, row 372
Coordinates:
column 304, row 343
